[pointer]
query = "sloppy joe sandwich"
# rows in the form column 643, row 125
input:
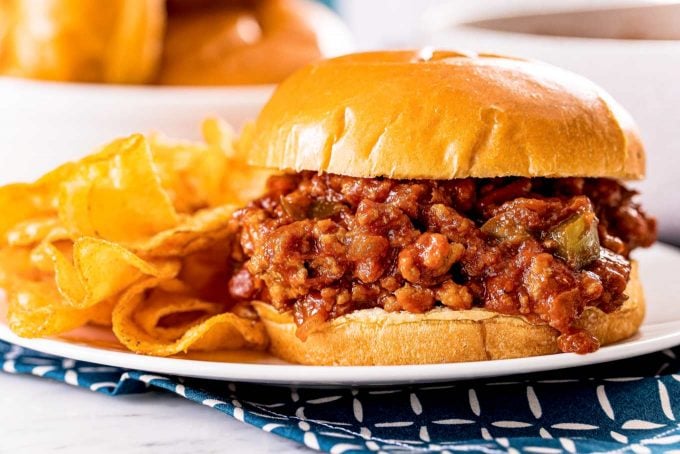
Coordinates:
column 440, row 207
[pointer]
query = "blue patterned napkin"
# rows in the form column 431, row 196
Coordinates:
column 626, row 406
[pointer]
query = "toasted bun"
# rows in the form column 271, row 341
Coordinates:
column 376, row 337
column 246, row 42
column 443, row 115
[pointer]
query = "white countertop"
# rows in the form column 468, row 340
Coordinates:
column 40, row 415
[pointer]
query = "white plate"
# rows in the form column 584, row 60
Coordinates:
column 659, row 269
column 47, row 123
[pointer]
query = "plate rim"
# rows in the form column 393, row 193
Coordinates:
column 291, row 374
column 660, row 335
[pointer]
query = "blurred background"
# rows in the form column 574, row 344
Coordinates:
column 165, row 64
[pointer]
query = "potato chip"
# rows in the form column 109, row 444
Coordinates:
column 36, row 309
column 207, row 273
column 167, row 316
column 194, row 233
column 231, row 180
column 100, row 314
column 33, row 231
column 117, row 195
column 223, row 331
column 226, row 332
column 42, row 255
column 24, row 201
column 15, row 263
column 139, row 236
column 243, row 182
column 218, row 133
column 49, row 183
column 191, row 173
column 35, row 306
column 83, row 281
column 19, row 203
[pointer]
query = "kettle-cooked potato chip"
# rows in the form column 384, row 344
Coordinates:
column 206, row 273
column 117, row 195
column 218, row 133
column 100, row 314
column 210, row 174
column 225, row 331
column 244, row 182
column 26, row 202
column 167, row 316
column 30, row 206
column 194, row 233
column 99, row 270
column 41, row 256
column 141, row 237
column 36, row 309
column 192, row 175
column 16, row 263
column 33, row 231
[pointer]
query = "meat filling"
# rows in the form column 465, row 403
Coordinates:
column 324, row 245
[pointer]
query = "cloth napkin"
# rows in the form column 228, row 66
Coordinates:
column 625, row 406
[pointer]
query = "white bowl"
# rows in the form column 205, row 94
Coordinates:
column 641, row 73
column 43, row 124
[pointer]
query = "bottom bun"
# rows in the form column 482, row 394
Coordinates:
column 375, row 337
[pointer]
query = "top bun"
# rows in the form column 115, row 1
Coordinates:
column 444, row 115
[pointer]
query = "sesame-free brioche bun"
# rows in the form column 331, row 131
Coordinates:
column 444, row 115
column 246, row 42
column 375, row 337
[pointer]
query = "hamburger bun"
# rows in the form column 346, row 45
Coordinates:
column 246, row 42
column 444, row 115
column 113, row 41
column 375, row 337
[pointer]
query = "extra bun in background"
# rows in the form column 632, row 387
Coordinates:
column 375, row 337
column 113, row 41
column 210, row 42
column 443, row 115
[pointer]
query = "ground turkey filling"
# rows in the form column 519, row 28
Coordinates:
column 324, row 245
